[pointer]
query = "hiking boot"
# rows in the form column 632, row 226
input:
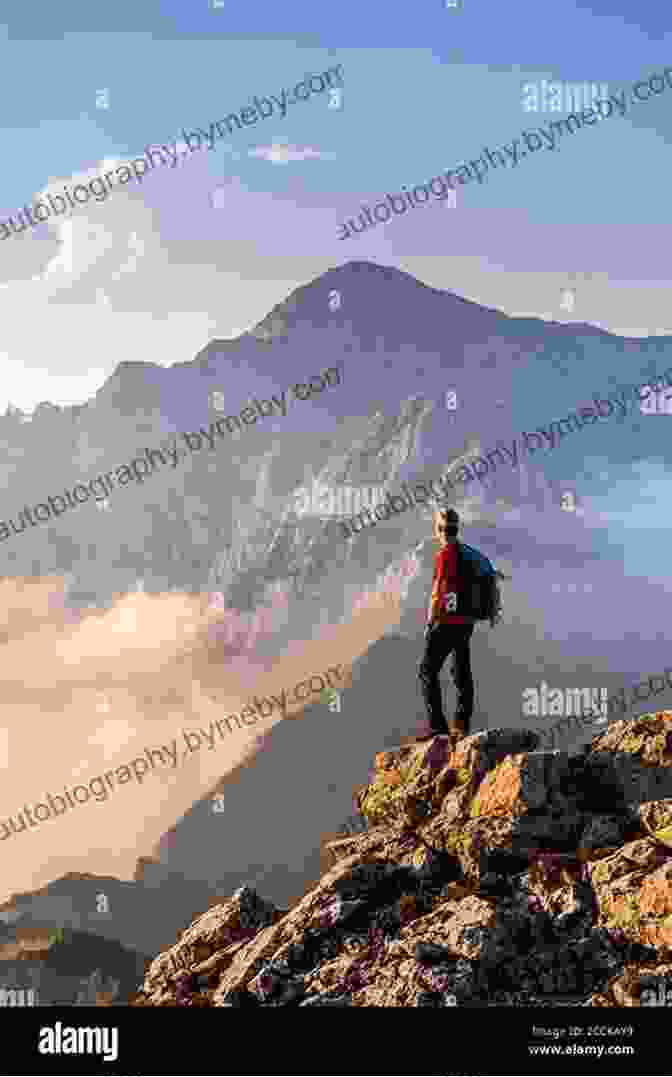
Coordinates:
column 428, row 732
column 457, row 730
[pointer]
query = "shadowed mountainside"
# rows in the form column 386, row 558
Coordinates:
column 75, row 968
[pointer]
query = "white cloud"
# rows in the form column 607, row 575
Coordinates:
column 84, row 285
column 280, row 152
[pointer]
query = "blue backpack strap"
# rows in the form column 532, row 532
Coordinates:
column 483, row 566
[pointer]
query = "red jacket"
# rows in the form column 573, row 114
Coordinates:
column 446, row 582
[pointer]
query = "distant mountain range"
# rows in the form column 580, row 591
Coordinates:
column 139, row 912
column 79, row 967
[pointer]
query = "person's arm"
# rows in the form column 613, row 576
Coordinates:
column 435, row 598
column 430, row 607
column 497, row 615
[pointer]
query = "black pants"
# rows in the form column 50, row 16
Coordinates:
column 441, row 641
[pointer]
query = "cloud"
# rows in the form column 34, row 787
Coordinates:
column 82, row 275
column 219, row 198
column 280, row 152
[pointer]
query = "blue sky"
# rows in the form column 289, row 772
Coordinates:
column 160, row 268
column 430, row 89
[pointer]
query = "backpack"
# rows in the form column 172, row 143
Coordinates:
column 480, row 597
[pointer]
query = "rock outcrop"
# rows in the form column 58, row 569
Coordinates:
column 492, row 874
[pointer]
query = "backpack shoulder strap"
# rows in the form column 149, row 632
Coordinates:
column 477, row 560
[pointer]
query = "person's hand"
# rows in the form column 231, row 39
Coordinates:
column 495, row 620
column 428, row 629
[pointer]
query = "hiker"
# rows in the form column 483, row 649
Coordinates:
column 464, row 591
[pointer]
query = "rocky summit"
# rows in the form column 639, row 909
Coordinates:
column 491, row 873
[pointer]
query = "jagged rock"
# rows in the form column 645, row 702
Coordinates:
column 276, row 983
column 430, row 954
column 634, row 735
column 266, row 984
column 295, row 955
column 627, row 988
column 521, row 784
column 429, row 998
column 524, row 883
column 494, row 884
column 437, row 755
column 653, row 815
column 603, row 831
column 632, row 760
column 455, row 807
column 349, row 879
column 406, row 785
column 219, row 959
column 633, row 889
column 221, row 929
column 453, row 924
column 477, row 842
column 339, row 912
column 239, row 998
column 320, row 1000
column 435, row 867
column 656, row 893
column 483, row 751
column 372, row 840
column 626, row 866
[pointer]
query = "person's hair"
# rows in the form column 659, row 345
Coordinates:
column 448, row 520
